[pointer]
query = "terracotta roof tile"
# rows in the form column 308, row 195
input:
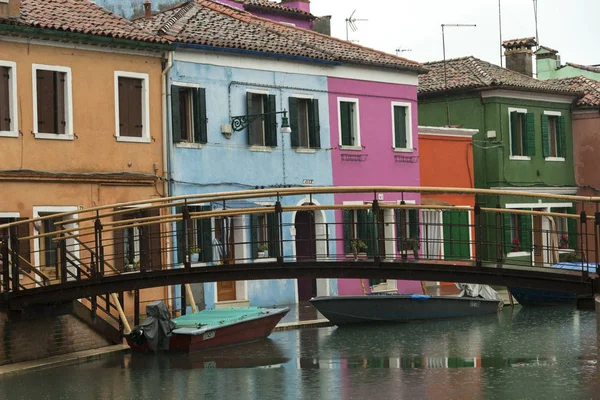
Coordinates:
column 591, row 68
column 275, row 7
column 470, row 73
column 523, row 42
column 79, row 16
column 203, row 22
column 589, row 87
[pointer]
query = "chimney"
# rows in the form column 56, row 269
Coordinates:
column 10, row 9
column 519, row 56
column 302, row 5
column 322, row 25
column 148, row 10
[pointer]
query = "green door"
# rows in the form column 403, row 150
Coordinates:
column 456, row 235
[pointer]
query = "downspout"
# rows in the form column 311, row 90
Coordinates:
column 166, row 91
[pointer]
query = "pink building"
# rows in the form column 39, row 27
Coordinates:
column 296, row 12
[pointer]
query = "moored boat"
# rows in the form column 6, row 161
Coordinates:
column 207, row 329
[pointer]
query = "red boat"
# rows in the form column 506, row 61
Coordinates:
column 207, row 329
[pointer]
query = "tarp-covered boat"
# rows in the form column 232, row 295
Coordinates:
column 342, row 310
column 206, row 329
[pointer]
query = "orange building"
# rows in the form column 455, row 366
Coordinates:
column 447, row 161
column 80, row 114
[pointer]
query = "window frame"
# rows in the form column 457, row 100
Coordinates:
column 12, row 99
column 408, row 121
column 312, row 147
column 356, row 123
column 185, row 144
column 557, row 115
column 263, row 146
column 145, row 78
column 68, row 135
column 522, row 111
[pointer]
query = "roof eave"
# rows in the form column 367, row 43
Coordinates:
column 496, row 87
column 279, row 11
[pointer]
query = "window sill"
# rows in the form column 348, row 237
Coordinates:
column 518, row 254
column 520, row 158
column 265, row 259
column 402, row 150
column 132, row 139
column 9, row 134
column 305, row 150
column 187, row 145
column 352, row 148
column 263, row 149
column 198, row 264
column 53, row 136
column 554, row 159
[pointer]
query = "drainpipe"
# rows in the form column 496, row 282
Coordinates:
column 166, row 92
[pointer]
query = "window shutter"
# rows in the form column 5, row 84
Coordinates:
column 254, row 235
column 562, row 137
column 205, row 236
column 135, row 108
column 530, row 137
column 124, row 107
column 413, row 219
column 200, row 121
column 4, row 99
column 314, row 125
column 270, row 121
column 399, row 214
column 175, row 114
column 59, row 101
column 545, row 137
column 365, row 229
column 572, row 229
column 514, row 126
column 400, row 127
column 346, row 123
column 347, row 230
column 273, row 233
column 525, row 232
column 250, row 111
column 295, row 135
column 45, row 101
column 507, row 233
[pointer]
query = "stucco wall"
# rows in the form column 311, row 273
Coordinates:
column 586, row 136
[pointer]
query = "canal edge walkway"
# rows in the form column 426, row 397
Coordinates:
column 103, row 352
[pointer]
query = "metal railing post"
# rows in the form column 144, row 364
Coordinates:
column 279, row 219
column 583, row 230
column 596, row 237
column 99, row 246
column 478, row 233
column 62, row 249
column 16, row 262
column 183, row 300
column 5, row 264
column 403, row 213
column 187, row 221
column 499, row 235
column 375, row 238
column 136, row 307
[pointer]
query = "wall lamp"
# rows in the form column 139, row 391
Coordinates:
column 241, row 122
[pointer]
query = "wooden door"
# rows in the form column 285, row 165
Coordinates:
column 538, row 244
column 224, row 229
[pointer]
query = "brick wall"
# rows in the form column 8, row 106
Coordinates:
column 45, row 337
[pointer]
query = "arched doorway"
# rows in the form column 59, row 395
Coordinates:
column 306, row 250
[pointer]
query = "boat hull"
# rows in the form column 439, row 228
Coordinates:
column 240, row 332
column 536, row 297
column 343, row 310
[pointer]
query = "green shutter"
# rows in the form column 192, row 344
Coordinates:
column 270, row 121
column 250, row 111
column 346, row 123
column 545, row 137
column 273, row 233
column 562, row 137
column 507, row 233
column 572, row 229
column 347, row 230
column 205, row 236
column 514, row 121
column 200, row 129
column 530, row 137
column 175, row 114
column 365, row 230
column 413, row 219
column 400, row 127
column 525, row 231
column 254, row 235
column 456, row 227
column 399, row 214
column 314, row 133
column 295, row 136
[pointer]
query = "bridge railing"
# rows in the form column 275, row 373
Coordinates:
column 275, row 226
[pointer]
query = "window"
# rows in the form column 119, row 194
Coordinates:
column 189, row 114
column 358, row 229
column 349, row 122
column 200, row 236
column 522, row 134
column 517, row 232
column 565, row 228
column 407, row 229
column 304, row 121
column 263, row 131
column 402, row 126
column 553, row 135
column 132, row 107
column 137, row 247
column 52, row 102
column 264, row 235
column 8, row 94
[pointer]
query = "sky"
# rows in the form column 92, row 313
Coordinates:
column 569, row 26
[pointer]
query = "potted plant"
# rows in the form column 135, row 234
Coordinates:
column 263, row 250
column 414, row 245
column 194, row 253
column 357, row 245
column 516, row 245
column 564, row 242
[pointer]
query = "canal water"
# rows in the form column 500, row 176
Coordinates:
column 540, row 353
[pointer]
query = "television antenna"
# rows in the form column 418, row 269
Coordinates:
column 400, row 50
column 351, row 22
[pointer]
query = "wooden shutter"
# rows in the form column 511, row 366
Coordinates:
column 572, row 229
column 59, row 102
column 124, row 84
column 530, row 136
column 295, row 135
column 400, row 221
column 562, row 137
column 135, row 108
column 5, row 112
column 254, row 235
column 205, row 236
column 507, row 233
column 346, row 123
column 525, row 232
column 270, row 121
column 514, row 138
column 154, row 241
column 400, row 127
column 45, row 101
column 545, row 136
column 200, row 121
column 175, row 113
column 252, row 135
column 347, row 230
column 314, row 132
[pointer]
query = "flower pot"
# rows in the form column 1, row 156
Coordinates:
column 194, row 257
column 263, row 254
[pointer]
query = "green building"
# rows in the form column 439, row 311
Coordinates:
column 525, row 143
column 548, row 66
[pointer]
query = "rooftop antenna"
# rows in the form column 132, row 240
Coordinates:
column 351, row 22
column 401, row 50
column 535, row 15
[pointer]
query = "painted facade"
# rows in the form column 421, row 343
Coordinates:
column 290, row 12
column 548, row 66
